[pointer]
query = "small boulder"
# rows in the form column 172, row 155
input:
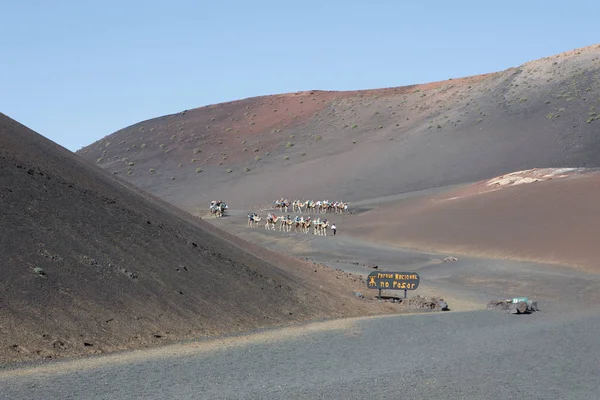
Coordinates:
column 518, row 308
column 503, row 305
column 426, row 303
column 514, row 306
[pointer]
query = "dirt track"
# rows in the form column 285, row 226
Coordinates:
column 471, row 281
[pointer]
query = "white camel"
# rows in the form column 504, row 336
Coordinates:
column 272, row 221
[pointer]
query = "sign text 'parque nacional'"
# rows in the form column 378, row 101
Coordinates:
column 393, row 280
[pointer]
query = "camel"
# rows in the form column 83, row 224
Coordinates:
column 306, row 225
column 320, row 227
column 325, row 206
column 324, row 226
column 298, row 224
column 340, row 207
column 316, row 223
column 282, row 205
column 218, row 208
column 297, row 204
column 271, row 221
column 252, row 219
column 317, row 206
column 286, row 224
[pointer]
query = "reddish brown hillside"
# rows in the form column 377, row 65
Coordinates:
column 363, row 144
column 539, row 215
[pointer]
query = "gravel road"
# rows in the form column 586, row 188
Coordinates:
column 466, row 355
column 474, row 354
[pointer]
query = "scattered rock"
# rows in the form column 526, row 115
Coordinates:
column 129, row 274
column 498, row 305
column 450, row 259
column 59, row 344
column 514, row 306
column 359, row 294
column 88, row 260
column 19, row 349
column 426, row 303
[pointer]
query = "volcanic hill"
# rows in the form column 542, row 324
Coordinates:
column 91, row 264
column 363, row 144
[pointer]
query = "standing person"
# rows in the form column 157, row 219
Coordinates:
column 333, row 228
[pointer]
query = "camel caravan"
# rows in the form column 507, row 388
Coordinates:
column 310, row 206
column 299, row 223
column 287, row 223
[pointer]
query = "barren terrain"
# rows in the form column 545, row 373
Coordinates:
column 468, row 353
column 90, row 264
column 549, row 216
column 487, row 186
column 366, row 144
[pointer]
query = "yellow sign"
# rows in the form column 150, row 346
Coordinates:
column 393, row 280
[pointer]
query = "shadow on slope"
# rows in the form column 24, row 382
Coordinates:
column 91, row 264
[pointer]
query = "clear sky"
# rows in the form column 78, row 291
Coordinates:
column 78, row 70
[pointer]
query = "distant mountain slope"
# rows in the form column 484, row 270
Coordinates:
column 89, row 263
column 541, row 215
column 363, row 144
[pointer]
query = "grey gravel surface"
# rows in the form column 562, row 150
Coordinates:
column 481, row 354
column 461, row 355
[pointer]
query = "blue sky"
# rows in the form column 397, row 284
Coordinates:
column 78, row 70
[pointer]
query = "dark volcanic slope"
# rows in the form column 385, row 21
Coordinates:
column 89, row 264
column 365, row 144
